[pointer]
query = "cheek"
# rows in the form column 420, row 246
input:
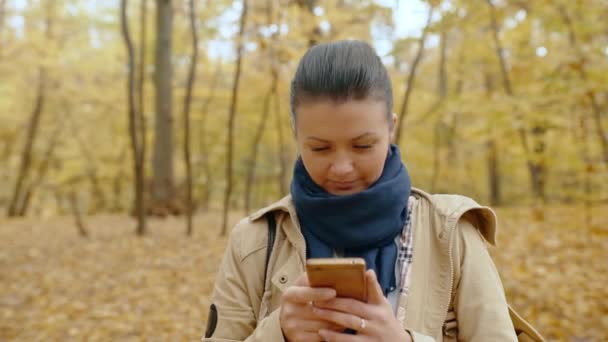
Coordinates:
column 373, row 166
column 315, row 166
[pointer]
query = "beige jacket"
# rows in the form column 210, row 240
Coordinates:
column 450, row 261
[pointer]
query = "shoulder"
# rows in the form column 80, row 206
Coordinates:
column 285, row 205
column 250, row 234
column 460, row 212
column 247, row 237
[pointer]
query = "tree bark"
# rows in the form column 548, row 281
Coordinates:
column 283, row 188
column 534, row 168
column 132, row 114
column 256, row 143
column 42, row 170
column 412, row 77
column 34, row 123
column 206, row 169
column 583, row 147
column 186, row 117
column 492, row 153
column 282, row 179
column 442, row 92
column 163, row 184
column 117, row 184
column 77, row 212
column 26, row 155
column 265, row 114
column 231, row 118
column 141, row 122
column 591, row 95
column 141, row 71
column 493, row 172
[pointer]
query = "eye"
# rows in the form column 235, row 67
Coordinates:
column 363, row 147
column 319, row 149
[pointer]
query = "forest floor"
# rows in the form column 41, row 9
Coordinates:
column 115, row 286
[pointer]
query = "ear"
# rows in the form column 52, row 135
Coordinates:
column 393, row 127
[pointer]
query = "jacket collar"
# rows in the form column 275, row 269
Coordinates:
column 448, row 206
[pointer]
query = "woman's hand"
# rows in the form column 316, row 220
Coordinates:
column 373, row 321
column 296, row 317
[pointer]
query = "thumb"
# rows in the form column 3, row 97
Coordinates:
column 374, row 291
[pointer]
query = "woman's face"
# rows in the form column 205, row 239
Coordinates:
column 343, row 144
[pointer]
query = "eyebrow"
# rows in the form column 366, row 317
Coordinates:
column 364, row 135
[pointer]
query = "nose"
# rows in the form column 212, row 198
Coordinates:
column 341, row 166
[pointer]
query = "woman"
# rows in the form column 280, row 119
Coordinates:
column 429, row 274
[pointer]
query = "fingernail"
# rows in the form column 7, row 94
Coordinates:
column 323, row 334
column 329, row 293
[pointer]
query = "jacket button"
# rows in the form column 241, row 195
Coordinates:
column 283, row 279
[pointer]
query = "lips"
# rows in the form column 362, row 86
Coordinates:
column 343, row 185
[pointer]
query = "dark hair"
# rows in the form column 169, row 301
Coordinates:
column 343, row 70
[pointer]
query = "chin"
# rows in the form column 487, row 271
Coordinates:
column 340, row 192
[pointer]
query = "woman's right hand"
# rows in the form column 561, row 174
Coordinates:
column 297, row 320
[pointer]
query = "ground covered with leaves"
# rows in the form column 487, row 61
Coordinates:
column 57, row 286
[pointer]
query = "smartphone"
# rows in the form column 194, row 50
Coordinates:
column 345, row 275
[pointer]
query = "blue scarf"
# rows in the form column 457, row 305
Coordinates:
column 363, row 224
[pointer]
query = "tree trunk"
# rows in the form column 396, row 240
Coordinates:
column 282, row 179
column 206, row 169
column 231, row 117
column 587, row 169
column 140, row 121
column 117, row 184
column 265, row 114
column 99, row 198
column 533, row 167
column 412, row 77
column 77, row 212
column 142, row 71
column 283, row 187
column 42, row 170
column 32, row 132
column 492, row 153
column 26, row 155
column 256, row 143
column 538, row 167
column 454, row 159
column 132, row 114
column 493, row 172
column 163, row 185
column 186, row 117
column 436, row 155
column 442, row 92
column 591, row 95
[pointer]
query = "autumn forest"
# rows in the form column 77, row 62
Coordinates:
column 141, row 130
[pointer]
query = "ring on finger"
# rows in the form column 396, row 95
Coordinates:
column 362, row 326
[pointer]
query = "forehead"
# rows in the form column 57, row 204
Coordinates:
column 327, row 117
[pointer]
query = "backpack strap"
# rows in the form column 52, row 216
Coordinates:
column 265, row 295
column 272, row 230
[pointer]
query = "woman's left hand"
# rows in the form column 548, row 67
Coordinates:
column 373, row 321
